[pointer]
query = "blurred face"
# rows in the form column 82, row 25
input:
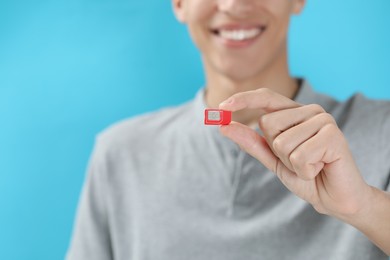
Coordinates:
column 238, row 38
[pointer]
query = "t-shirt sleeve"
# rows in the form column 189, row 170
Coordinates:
column 386, row 144
column 91, row 238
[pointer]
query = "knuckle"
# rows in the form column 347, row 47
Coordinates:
column 241, row 96
column 279, row 145
column 296, row 158
column 316, row 108
column 236, row 97
column 264, row 121
column 335, row 135
column 330, row 129
column 264, row 92
column 326, row 119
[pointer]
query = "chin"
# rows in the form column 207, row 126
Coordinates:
column 241, row 69
column 241, row 74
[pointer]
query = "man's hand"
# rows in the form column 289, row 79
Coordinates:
column 303, row 145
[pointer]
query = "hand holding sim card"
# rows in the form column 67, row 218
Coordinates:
column 217, row 116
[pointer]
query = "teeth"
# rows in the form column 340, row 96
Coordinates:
column 239, row 35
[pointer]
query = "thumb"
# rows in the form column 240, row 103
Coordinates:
column 256, row 145
column 251, row 142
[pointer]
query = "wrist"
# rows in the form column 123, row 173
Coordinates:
column 372, row 219
column 361, row 215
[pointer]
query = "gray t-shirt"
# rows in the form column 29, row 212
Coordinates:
column 164, row 186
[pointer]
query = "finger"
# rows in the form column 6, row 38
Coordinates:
column 254, row 144
column 251, row 142
column 275, row 123
column 323, row 148
column 261, row 98
column 286, row 142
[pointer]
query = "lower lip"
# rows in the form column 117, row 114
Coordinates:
column 238, row 44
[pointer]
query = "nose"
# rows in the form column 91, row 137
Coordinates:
column 236, row 8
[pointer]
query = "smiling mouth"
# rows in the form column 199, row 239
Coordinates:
column 238, row 34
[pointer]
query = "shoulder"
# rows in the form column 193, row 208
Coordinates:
column 365, row 123
column 151, row 129
column 362, row 111
column 370, row 120
column 374, row 107
column 357, row 115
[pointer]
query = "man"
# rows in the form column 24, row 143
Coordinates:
column 311, row 180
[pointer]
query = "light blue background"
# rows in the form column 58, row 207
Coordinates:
column 69, row 68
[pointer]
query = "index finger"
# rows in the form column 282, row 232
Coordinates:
column 262, row 98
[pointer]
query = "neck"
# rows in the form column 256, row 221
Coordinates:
column 220, row 87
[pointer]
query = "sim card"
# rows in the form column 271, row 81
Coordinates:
column 217, row 117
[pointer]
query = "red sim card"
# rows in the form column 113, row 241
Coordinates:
column 217, row 116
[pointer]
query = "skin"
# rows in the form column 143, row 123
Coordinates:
column 301, row 144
